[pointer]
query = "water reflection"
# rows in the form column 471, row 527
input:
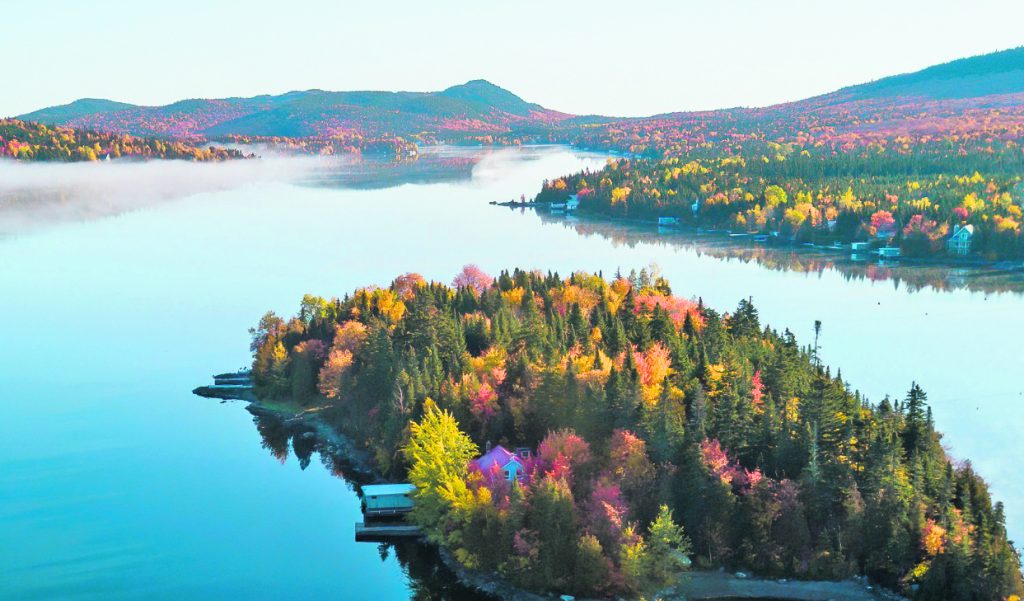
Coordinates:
column 39, row 195
column 429, row 579
column 911, row 275
column 434, row 165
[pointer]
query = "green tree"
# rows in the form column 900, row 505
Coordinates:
column 667, row 549
column 438, row 453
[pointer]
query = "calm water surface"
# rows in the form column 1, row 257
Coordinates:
column 116, row 482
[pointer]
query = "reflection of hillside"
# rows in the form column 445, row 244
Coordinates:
column 914, row 276
column 434, row 165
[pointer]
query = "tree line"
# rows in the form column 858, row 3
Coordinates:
column 662, row 432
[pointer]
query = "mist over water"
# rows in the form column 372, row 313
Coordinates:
column 38, row 195
column 117, row 483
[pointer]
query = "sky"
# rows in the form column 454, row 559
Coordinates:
column 625, row 58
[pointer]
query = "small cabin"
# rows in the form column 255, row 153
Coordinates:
column 889, row 252
column 387, row 499
column 573, row 203
column 499, row 461
column 960, row 242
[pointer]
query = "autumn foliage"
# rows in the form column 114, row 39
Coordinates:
column 652, row 429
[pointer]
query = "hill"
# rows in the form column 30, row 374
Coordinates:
column 998, row 73
column 476, row 107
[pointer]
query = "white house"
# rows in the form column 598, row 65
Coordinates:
column 960, row 242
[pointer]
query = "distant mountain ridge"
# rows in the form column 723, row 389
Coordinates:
column 477, row 106
column 996, row 73
column 480, row 108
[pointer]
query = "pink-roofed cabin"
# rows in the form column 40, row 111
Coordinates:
column 500, row 461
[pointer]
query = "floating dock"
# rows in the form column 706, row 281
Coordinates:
column 384, row 531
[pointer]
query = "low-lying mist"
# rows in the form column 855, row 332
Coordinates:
column 37, row 195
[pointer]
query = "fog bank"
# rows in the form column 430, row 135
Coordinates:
column 37, row 195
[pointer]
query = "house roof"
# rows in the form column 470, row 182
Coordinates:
column 967, row 230
column 498, row 456
column 383, row 490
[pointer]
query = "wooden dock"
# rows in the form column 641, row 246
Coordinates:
column 385, row 531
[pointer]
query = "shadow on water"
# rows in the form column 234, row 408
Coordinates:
column 911, row 274
column 428, row 578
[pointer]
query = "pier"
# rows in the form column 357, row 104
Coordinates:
column 379, row 532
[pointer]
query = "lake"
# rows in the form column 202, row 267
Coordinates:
column 120, row 297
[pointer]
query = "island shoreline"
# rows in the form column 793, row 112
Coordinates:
column 710, row 584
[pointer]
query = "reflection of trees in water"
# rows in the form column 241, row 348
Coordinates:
column 280, row 436
column 437, row 165
column 273, row 432
column 429, row 579
column 914, row 277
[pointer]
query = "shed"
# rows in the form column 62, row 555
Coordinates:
column 387, row 499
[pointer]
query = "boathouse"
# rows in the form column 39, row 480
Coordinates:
column 889, row 252
column 381, row 500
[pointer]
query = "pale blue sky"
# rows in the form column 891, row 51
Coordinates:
column 623, row 58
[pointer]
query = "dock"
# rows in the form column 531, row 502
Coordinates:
column 229, row 386
column 384, row 531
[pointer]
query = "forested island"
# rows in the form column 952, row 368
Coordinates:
column 28, row 141
column 645, row 432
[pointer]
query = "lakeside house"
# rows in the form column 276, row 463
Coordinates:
column 573, row 203
column 859, row 247
column 668, row 221
column 387, row 499
column 889, row 252
column 501, row 462
column 960, row 242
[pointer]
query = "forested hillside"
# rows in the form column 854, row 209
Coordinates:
column 866, row 163
column 26, row 141
column 475, row 108
column 660, row 431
